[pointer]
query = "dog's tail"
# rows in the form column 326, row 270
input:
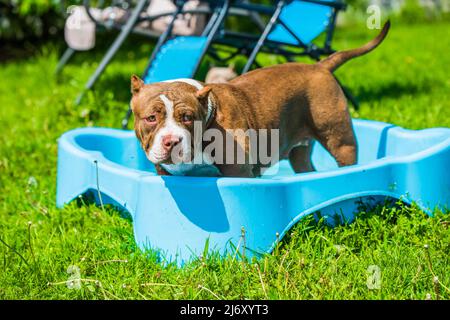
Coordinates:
column 337, row 59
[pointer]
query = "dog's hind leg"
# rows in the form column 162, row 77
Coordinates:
column 332, row 125
column 345, row 154
column 300, row 157
column 340, row 141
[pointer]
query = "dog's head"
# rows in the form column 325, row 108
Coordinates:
column 165, row 114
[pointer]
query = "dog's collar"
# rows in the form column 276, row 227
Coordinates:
column 211, row 112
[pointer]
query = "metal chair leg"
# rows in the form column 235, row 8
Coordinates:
column 127, row 28
column 63, row 60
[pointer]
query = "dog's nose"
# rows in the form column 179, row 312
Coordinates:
column 169, row 141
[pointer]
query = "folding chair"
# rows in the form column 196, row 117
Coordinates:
column 134, row 17
column 180, row 56
column 109, row 23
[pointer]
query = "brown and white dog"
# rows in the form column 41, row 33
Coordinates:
column 303, row 102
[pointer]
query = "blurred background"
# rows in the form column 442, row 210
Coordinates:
column 25, row 24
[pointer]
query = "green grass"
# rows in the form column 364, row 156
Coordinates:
column 405, row 81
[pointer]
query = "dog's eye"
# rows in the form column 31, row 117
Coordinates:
column 186, row 118
column 151, row 119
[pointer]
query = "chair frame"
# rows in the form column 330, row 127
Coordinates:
column 125, row 30
column 218, row 14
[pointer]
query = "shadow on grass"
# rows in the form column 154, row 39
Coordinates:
column 13, row 53
column 392, row 90
column 119, row 84
column 91, row 197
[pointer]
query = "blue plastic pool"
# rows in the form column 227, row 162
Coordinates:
column 176, row 215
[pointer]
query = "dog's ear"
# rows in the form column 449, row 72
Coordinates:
column 209, row 102
column 203, row 94
column 136, row 84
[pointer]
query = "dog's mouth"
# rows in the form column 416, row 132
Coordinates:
column 173, row 157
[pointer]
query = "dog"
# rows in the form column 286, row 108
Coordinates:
column 301, row 103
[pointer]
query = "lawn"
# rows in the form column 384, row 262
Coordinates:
column 405, row 81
